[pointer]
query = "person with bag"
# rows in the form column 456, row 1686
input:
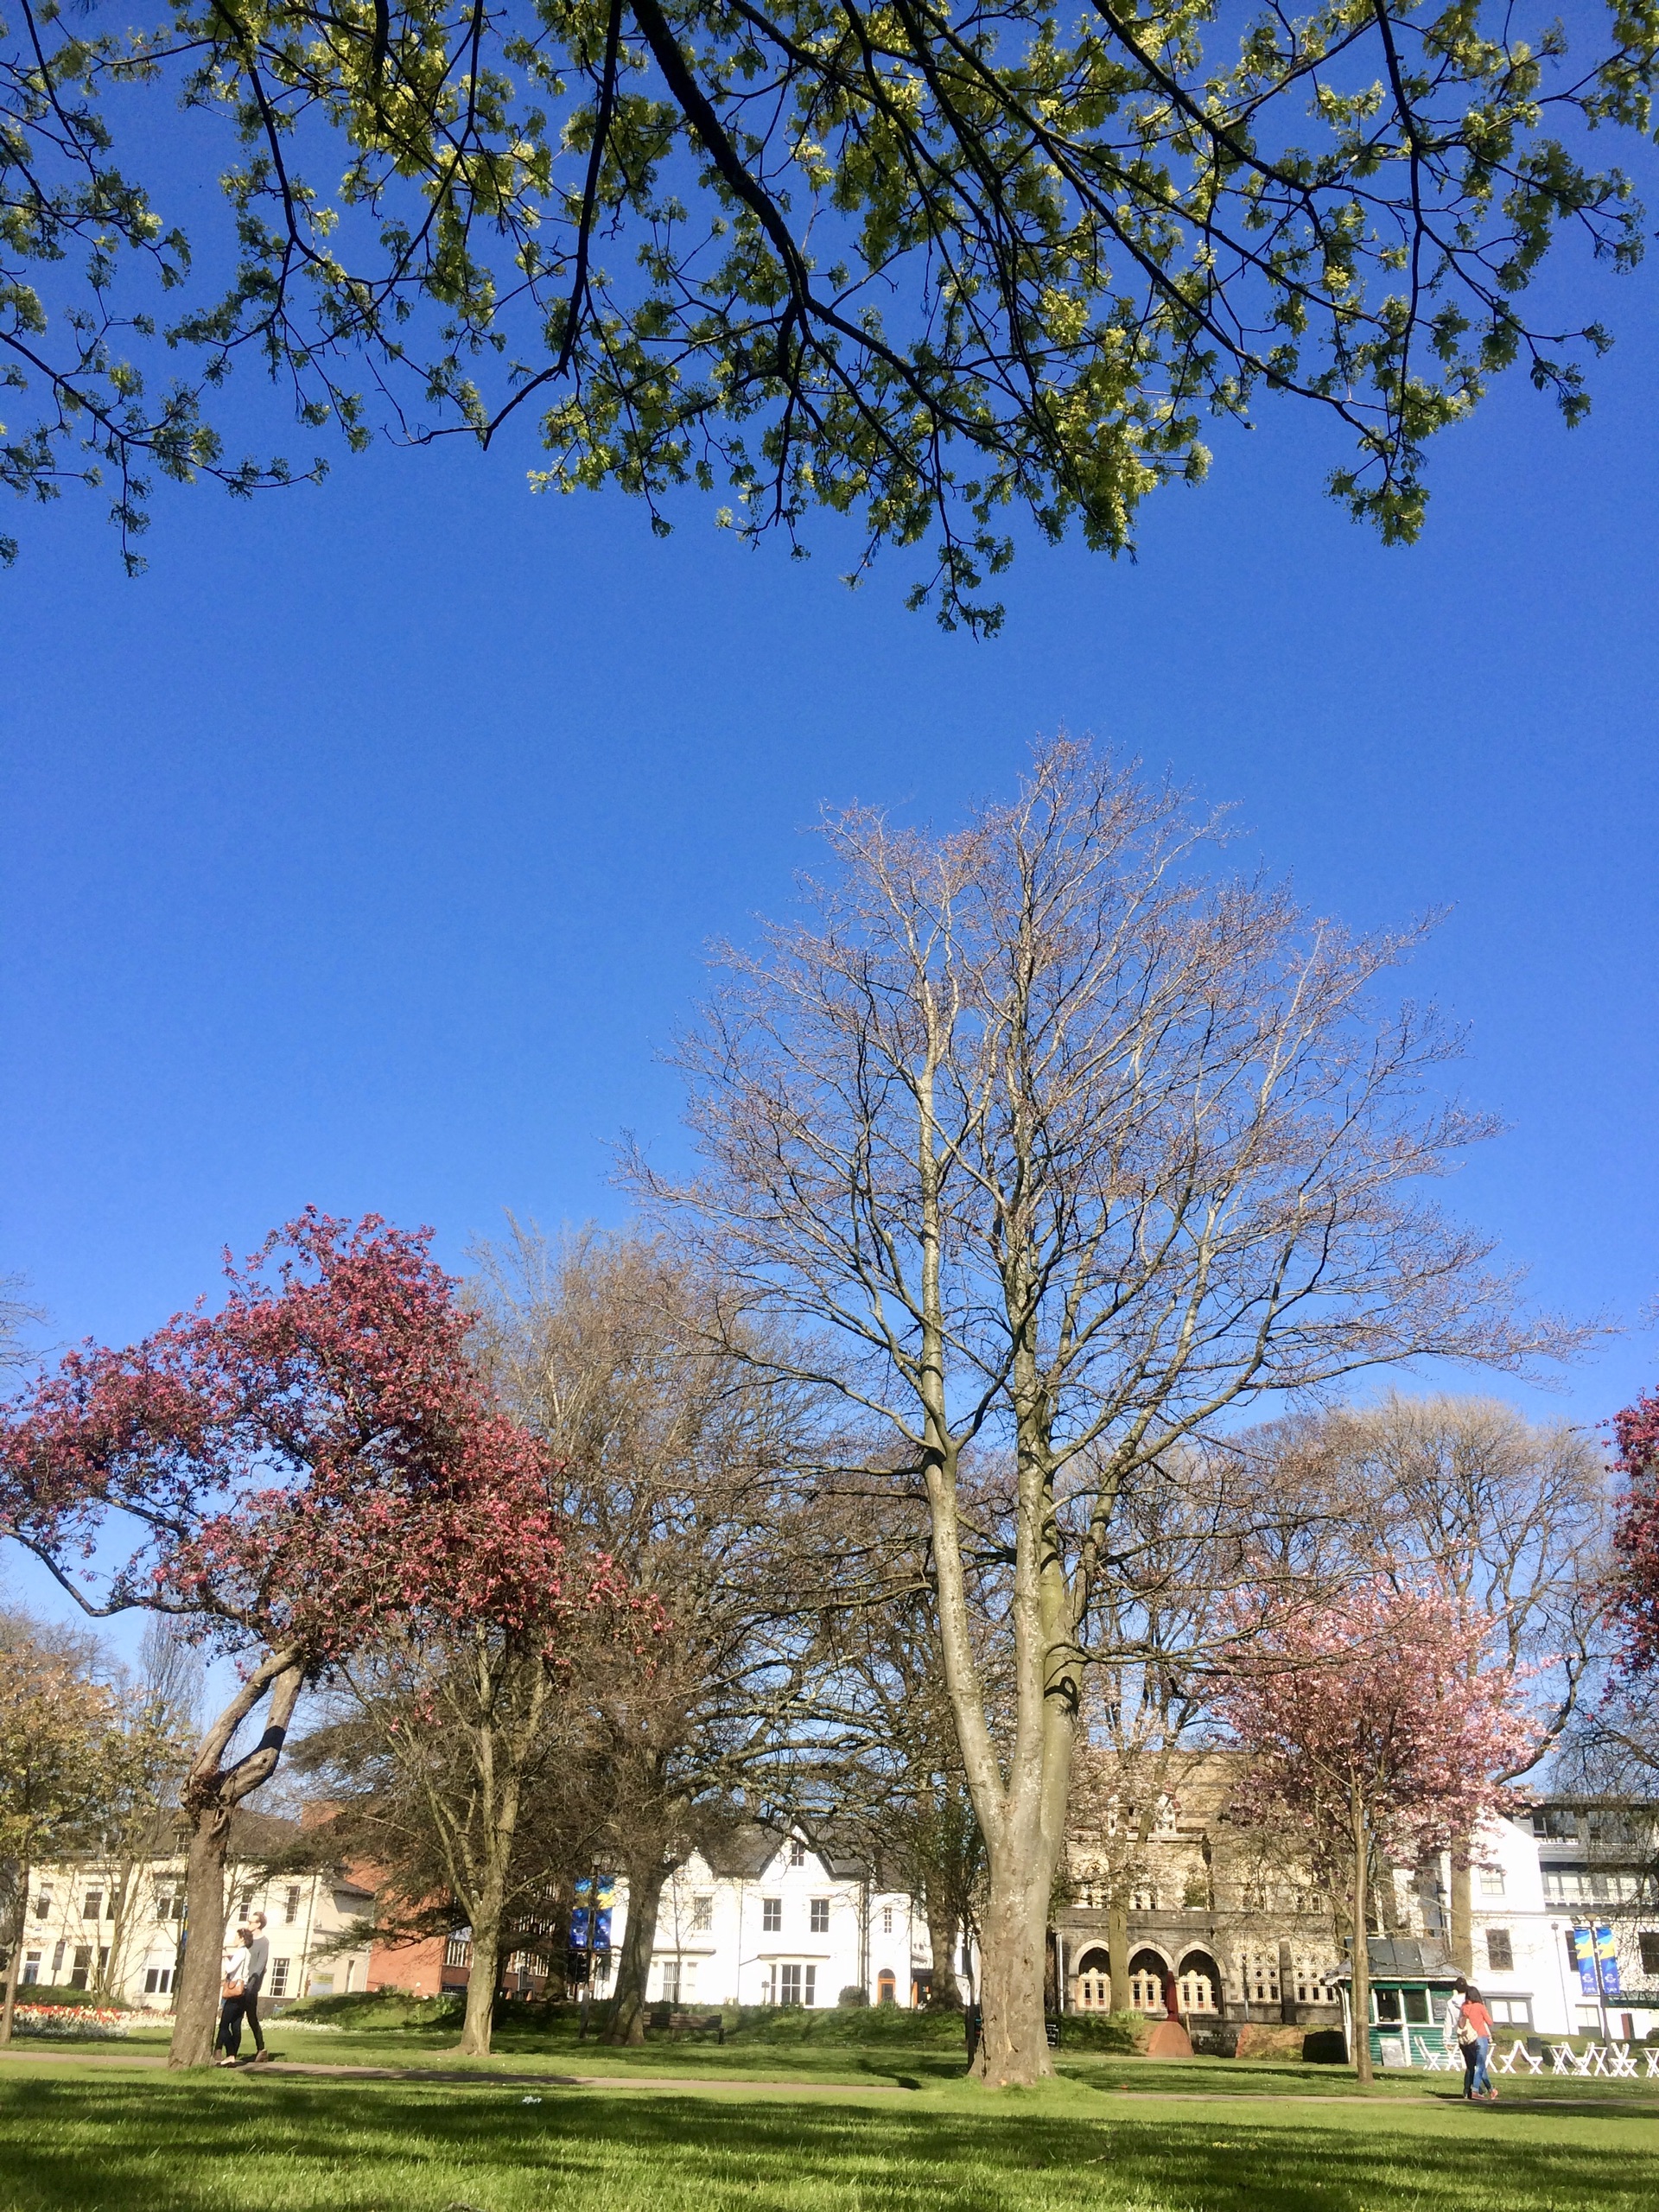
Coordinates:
column 1453, row 2027
column 232, row 1991
column 1475, row 2035
column 258, row 1960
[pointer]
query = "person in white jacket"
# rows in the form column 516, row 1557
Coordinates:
column 1466, row 2052
column 233, row 1993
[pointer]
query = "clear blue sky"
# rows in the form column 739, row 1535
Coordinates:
column 363, row 852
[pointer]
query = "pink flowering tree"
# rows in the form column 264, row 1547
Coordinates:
column 1636, row 1538
column 1365, row 1733
column 314, row 1462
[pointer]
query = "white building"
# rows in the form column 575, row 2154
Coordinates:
column 76, row 1915
column 761, row 1917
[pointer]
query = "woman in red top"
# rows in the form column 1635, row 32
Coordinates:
column 1479, row 2021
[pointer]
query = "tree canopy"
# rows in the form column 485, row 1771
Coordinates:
column 928, row 265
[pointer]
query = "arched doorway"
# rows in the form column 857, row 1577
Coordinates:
column 887, row 1987
column 1198, row 1984
column 1148, row 1972
column 1095, row 1981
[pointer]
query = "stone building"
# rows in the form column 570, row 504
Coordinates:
column 1248, row 1936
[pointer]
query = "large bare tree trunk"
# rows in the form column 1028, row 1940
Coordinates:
column 627, row 2021
column 479, row 2021
column 211, row 1792
column 1013, row 2040
column 197, row 2022
column 1362, row 1977
column 14, row 1965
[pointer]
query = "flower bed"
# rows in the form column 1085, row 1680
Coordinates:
column 71, row 2020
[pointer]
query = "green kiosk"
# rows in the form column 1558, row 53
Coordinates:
column 1410, row 1983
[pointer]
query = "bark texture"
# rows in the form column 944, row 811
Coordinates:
column 627, row 2022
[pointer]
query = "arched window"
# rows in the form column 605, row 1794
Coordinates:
column 887, row 1989
column 1199, row 1988
column 1146, row 1972
column 1094, row 1981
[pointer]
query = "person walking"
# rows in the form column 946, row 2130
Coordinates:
column 232, row 1994
column 1454, row 2032
column 1476, row 2023
column 259, row 1962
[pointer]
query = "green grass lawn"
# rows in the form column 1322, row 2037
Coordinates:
column 75, row 2137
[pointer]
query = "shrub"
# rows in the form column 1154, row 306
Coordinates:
column 853, row 1994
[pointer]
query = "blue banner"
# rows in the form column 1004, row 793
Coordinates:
column 605, row 1900
column 1581, row 1949
column 1607, row 1959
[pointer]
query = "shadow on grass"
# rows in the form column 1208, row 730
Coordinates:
column 97, row 2144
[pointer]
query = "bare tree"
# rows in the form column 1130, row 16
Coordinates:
column 672, row 1447
column 1057, row 1145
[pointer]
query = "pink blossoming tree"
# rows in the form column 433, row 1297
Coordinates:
column 1636, row 1598
column 293, row 1474
column 1365, row 1732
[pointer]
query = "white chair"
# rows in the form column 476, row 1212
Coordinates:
column 1562, row 2059
column 1535, row 2059
column 1590, row 2059
column 1653, row 2062
column 1621, row 2061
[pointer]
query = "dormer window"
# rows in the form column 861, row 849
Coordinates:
column 796, row 1852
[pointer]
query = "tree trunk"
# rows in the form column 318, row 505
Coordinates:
column 197, row 2022
column 14, row 1964
column 1117, row 1946
column 1013, row 2049
column 210, row 1792
column 627, row 2022
column 941, row 1944
column 1361, row 1976
column 479, row 2019
column 1461, row 1942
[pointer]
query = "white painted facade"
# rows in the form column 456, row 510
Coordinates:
column 794, row 1931
column 71, row 1925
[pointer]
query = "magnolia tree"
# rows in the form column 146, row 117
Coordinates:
column 1365, row 1733
column 1636, row 1441
column 290, row 1475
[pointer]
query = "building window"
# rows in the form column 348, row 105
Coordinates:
column 291, row 1903
column 887, row 1989
column 81, row 1972
column 246, row 1905
column 1510, row 2011
column 42, row 1905
column 798, row 1984
column 458, row 1950
column 169, row 1905
column 1491, row 1881
column 1648, row 1942
column 1500, row 1952
column 819, row 1916
column 31, row 1973
column 703, row 1915
column 1558, row 1827
column 93, row 1907
column 279, row 1977
column 796, row 1852
column 158, row 1981
column 1144, row 1898
column 771, row 1916
column 886, row 1920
